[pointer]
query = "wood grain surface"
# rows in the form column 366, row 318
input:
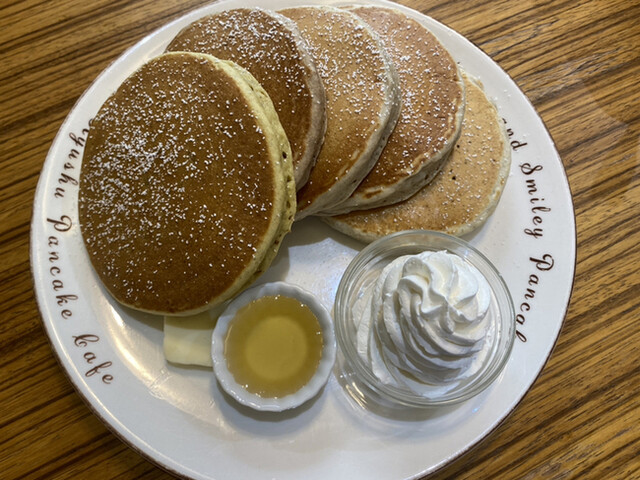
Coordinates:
column 579, row 63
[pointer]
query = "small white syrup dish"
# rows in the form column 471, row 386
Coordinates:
column 219, row 353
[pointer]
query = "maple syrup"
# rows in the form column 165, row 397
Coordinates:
column 273, row 346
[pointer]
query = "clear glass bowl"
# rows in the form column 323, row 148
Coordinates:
column 358, row 377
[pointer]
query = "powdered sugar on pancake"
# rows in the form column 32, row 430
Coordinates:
column 362, row 102
column 271, row 48
column 464, row 192
column 430, row 117
column 179, row 195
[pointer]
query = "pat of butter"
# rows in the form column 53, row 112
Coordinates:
column 187, row 340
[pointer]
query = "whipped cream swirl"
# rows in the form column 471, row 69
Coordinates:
column 423, row 323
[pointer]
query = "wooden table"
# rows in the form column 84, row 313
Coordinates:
column 578, row 62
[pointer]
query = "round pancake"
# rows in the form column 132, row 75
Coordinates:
column 430, row 117
column 363, row 102
column 462, row 195
column 186, row 185
column 271, row 48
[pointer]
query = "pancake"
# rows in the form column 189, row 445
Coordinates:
column 465, row 191
column 430, row 117
column 363, row 102
column 271, row 48
column 186, row 185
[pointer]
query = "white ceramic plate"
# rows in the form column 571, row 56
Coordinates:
column 179, row 418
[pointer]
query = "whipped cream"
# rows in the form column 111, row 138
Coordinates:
column 423, row 324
